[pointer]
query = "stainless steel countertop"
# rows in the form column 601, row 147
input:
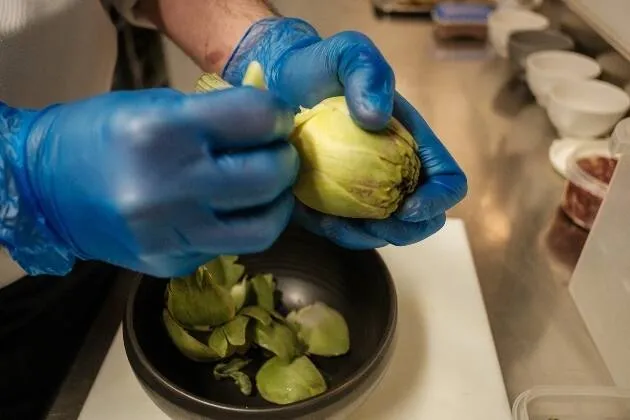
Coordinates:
column 523, row 247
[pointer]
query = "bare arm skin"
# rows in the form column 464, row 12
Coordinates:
column 206, row 30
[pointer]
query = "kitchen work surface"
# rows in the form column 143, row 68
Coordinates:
column 444, row 366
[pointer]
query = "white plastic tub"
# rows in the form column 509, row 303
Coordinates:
column 573, row 403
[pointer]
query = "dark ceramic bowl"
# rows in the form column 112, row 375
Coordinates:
column 307, row 268
column 523, row 43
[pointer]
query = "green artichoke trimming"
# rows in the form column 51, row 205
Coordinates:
column 244, row 318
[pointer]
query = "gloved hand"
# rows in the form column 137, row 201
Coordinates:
column 155, row 181
column 303, row 69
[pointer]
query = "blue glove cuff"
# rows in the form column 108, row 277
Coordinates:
column 264, row 42
column 24, row 231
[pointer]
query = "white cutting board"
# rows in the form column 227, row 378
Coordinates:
column 444, row 366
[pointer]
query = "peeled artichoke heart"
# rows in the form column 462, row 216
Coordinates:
column 350, row 172
column 284, row 382
column 188, row 345
column 322, row 329
column 197, row 301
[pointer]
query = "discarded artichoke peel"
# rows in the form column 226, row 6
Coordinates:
column 289, row 375
column 187, row 344
column 188, row 297
column 284, row 381
column 347, row 172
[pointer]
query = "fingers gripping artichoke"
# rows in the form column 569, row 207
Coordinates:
column 344, row 170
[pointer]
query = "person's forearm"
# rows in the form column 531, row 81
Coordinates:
column 206, row 30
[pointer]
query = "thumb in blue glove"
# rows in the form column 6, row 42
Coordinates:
column 304, row 69
column 155, row 181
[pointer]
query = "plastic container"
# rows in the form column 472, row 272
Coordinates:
column 460, row 20
column 589, row 171
column 573, row 403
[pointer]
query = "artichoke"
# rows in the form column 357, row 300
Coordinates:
column 350, row 172
column 345, row 170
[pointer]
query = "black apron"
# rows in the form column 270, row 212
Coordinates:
column 43, row 322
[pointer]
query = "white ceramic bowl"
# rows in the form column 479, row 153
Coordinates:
column 503, row 21
column 586, row 108
column 544, row 69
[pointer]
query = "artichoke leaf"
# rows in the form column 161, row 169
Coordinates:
column 323, row 329
column 239, row 293
column 221, row 370
column 284, row 382
column 236, row 330
column 232, row 370
column 257, row 313
column 264, row 286
column 243, row 382
column 278, row 339
column 198, row 302
column 225, row 271
column 218, row 342
column 185, row 343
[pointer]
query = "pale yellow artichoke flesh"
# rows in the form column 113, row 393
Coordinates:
column 348, row 171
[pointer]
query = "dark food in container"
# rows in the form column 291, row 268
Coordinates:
column 589, row 177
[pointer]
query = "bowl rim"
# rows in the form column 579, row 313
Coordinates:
column 614, row 90
column 517, row 41
column 533, row 19
column 530, row 62
column 158, row 383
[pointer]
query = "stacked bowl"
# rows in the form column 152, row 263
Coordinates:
column 577, row 103
column 564, row 82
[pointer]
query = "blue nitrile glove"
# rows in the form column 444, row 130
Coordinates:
column 155, row 181
column 303, row 69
